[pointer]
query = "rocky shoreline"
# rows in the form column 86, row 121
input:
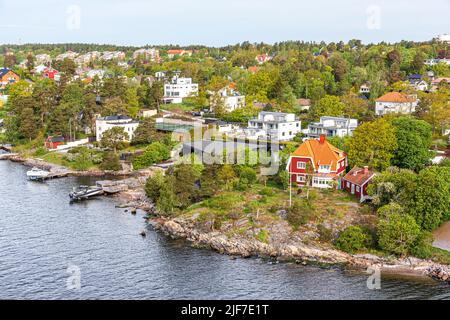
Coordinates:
column 292, row 249
column 130, row 193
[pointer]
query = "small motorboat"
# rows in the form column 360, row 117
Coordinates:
column 37, row 174
column 85, row 192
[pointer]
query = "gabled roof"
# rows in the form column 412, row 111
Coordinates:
column 359, row 176
column 321, row 153
column 4, row 71
column 395, row 97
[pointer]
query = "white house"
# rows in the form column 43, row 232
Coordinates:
column 231, row 98
column 432, row 62
column 179, row 88
column 103, row 124
column 151, row 54
column 332, row 126
column 395, row 102
column 278, row 125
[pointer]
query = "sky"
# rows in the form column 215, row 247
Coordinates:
column 219, row 22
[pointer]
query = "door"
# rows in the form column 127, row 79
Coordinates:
column 353, row 189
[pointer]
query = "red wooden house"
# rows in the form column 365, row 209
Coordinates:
column 326, row 161
column 50, row 73
column 52, row 142
column 356, row 181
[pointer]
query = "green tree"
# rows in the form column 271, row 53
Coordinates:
column 397, row 233
column 154, row 185
column 327, row 106
column 373, row 144
column 110, row 162
column 154, row 153
column 413, row 142
column 352, row 239
column 432, row 197
column 114, row 138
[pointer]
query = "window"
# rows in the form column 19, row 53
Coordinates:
column 283, row 134
column 348, row 184
column 301, row 165
column 300, row 178
column 357, row 189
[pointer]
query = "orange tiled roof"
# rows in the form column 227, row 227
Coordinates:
column 394, row 97
column 174, row 51
column 321, row 153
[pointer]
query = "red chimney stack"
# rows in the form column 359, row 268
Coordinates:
column 366, row 169
column 322, row 138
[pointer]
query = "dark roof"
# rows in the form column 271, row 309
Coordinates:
column 112, row 118
column 4, row 71
column 56, row 139
column 415, row 76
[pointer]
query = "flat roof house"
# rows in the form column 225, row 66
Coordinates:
column 332, row 126
column 179, row 88
column 278, row 125
column 103, row 124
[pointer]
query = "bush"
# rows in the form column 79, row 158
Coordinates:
column 153, row 186
column 423, row 248
column 351, row 240
column 397, row 233
column 110, row 162
column 300, row 213
column 266, row 191
column 263, row 236
column 155, row 152
column 325, row 234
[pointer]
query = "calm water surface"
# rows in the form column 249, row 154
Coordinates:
column 41, row 235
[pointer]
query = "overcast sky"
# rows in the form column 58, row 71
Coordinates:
column 214, row 22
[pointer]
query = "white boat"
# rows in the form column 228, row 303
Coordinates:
column 37, row 174
column 85, row 192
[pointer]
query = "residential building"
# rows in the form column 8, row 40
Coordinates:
column 317, row 163
column 52, row 142
column 42, row 59
column 112, row 55
column 278, row 126
column 103, row 124
column 356, row 182
column 332, row 126
column 432, row 62
column 100, row 73
column 7, row 76
column 67, row 55
column 435, row 83
column 179, row 88
column 263, row 58
column 364, row 89
column 231, row 99
column 303, row 104
column 160, row 75
column 415, row 81
column 50, row 73
column 395, row 102
column 178, row 52
column 147, row 113
column 151, row 54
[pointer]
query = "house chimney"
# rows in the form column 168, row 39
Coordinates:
column 366, row 169
column 322, row 138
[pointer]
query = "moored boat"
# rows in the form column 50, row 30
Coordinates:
column 85, row 192
column 37, row 174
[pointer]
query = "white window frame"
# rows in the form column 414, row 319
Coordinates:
column 303, row 165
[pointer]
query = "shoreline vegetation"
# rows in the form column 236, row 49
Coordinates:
column 252, row 236
column 55, row 100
